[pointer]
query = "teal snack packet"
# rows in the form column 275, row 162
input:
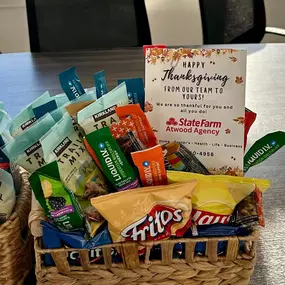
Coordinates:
column 100, row 83
column 26, row 149
column 135, row 88
column 1, row 105
column 102, row 112
column 26, row 117
column 71, row 84
column 57, row 202
column 112, row 160
column 76, row 166
column 61, row 99
column 58, row 113
column 263, row 148
column 48, row 107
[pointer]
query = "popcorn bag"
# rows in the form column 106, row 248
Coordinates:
column 143, row 178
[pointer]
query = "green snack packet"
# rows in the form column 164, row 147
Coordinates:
column 102, row 112
column 263, row 148
column 26, row 149
column 58, row 203
column 76, row 167
column 27, row 118
column 112, row 161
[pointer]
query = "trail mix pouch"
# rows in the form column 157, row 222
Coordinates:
column 26, row 149
column 76, row 167
column 150, row 164
column 216, row 196
column 100, row 83
column 5, row 137
column 27, row 117
column 143, row 128
column 71, row 84
column 58, row 203
column 135, row 88
column 179, row 158
column 7, row 195
column 105, row 150
column 152, row 213
column 102, row 113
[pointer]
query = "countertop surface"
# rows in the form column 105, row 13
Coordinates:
column 23, row 77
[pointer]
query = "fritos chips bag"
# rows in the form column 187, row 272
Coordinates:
column 216, row 196
column 143, row 128
column 152, row 213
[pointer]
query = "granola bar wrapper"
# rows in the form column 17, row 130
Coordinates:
column 152, row 213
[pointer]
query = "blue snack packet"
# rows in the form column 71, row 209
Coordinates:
column 48, row 107
column 71, row 84
column 100, row 83
column 54, row 238
column 135, row 89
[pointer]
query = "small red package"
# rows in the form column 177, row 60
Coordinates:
column 248, row 121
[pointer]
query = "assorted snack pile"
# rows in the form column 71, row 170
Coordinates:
column 101, row 177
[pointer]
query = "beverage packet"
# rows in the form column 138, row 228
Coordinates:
column 249, row 212
column 26, row 117
column 152, row 213
column 76, row 167
column 150, row 164
column 179, row 158
column 102, row 113
column 135, row 88
column 7, row 195
column 263, row 148
column 5, row 137
column 54, row 103
column 216, row 196
column 106, row 152
column 58, row 203
column 100, row 83
column 143, row 128
column 249, row 119
column 26, row 149
column 71, row 84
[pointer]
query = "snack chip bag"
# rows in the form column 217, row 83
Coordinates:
column 150, row 164
column 102, row 113
column 152, row 213
column 179, row 158
column 27, row 117
column 71, row 84
column 100, row 83
column 123, row 127
column 135, row 88
column 108, row 156
column 76, row 167
column 57, row 202
column 143, row 128
column 7, row 195
column 26, row 149
column 216, row 196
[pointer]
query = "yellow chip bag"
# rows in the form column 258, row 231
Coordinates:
column 151, row 213
column 216, row 196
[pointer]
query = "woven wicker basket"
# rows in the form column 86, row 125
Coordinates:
column 235, row 267
column 16, row 241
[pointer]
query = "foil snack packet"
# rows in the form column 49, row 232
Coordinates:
column 26, row 117
column 216, row 196
column 107, row 154
column 152, row 213
column 26, row 149
column 76, row 167
column 58, row 203
column 102, row 113
column 71, row 84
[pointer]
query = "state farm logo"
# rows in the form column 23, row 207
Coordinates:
column 154, row 226
column 171, row 121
